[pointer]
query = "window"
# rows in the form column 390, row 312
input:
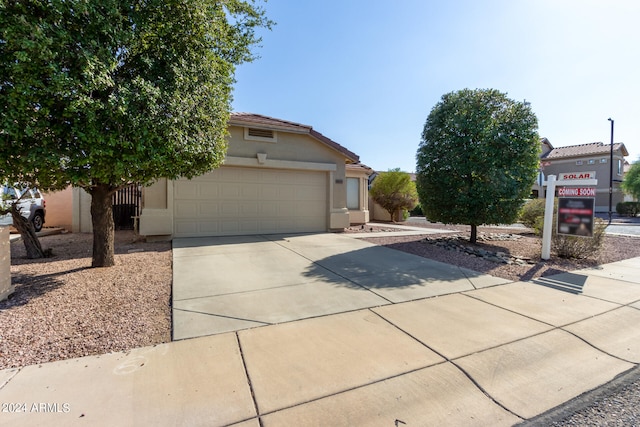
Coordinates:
column 592, row 161
column 353, row 193
column 620, row 169
column 255, row 134
column 579, row 162
column 603, row 160
column 10, row 193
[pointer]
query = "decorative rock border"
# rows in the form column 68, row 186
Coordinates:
column 452, row 243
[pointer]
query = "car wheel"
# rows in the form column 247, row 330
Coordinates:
column 38, row 221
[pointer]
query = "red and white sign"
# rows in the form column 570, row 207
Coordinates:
column 576, row 192
column 567, row 176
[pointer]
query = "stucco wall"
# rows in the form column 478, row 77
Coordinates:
column 59, row 208
column 5, row 264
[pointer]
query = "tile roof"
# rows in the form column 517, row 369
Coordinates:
column 582, row 150
column 266, row 122
column 360, row 167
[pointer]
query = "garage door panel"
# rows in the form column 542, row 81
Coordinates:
column 286, row 193
column 208, row 190
column 185, row 228
column 186, row 209
column 268, row 209
column 249, row 209
column 231, row 191
column 233, row 200
column 185, row 190
column 229, row 209
column 206, row 209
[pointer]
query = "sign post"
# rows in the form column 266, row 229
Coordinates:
column 548, row 217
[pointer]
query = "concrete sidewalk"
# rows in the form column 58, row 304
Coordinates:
column 493, row 355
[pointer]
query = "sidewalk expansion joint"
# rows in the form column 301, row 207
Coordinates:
column 485, row 392
column 246, row 373
column 357, row 387
column 17, row 371
column 222, row 315
column 554, row 327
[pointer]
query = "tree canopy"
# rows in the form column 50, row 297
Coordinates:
column 100, row 94
column 631, row 182
column 394, row 191
column 478, row 158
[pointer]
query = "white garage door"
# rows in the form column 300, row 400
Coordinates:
column 234, row 201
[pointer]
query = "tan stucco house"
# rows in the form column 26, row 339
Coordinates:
column 277, row 177
column 592, row 157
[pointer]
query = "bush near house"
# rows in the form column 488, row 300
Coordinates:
column 628, row 208
column 577, row 247
column 416, row 211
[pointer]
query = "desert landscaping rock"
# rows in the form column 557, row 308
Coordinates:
column 62, row 308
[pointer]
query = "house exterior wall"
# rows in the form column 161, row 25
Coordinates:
column 378, row 213
column 6, row 288
column 290, row 151
column 571, row 164
column 59, row 208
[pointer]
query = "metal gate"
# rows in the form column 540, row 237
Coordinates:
column 126, row 206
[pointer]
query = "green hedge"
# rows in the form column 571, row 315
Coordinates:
column 628, row 208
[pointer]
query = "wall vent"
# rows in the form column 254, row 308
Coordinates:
column 256, row 134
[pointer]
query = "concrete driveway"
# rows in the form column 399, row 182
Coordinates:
column 224, row 284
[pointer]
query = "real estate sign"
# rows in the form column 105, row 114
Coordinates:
column 575, row 216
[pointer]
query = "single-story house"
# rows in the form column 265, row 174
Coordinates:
column 278, row 177
column 594, row 158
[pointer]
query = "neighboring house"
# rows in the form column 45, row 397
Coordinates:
column 593, row 157
column 277, row 177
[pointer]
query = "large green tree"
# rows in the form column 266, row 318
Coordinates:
column 478, row 158
column 631, row 182
column 394, row 191
column 100, row 94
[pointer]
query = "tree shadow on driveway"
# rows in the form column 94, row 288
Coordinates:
column 378, row 267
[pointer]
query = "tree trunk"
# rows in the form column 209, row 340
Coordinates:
column 103, row 229
column 474, row 233
column 27, row 233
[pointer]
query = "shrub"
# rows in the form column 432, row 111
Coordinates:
column 628, row 208
column 416, row 211
column 580, row 247
column 532, row 214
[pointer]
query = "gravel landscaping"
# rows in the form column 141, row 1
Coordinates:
column 515, row 242
column 62, row 308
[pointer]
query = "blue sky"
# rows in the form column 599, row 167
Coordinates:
column 366, row 73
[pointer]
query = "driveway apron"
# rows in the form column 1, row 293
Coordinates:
column 223, row 284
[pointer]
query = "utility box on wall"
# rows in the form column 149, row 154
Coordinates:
column 6, row 288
